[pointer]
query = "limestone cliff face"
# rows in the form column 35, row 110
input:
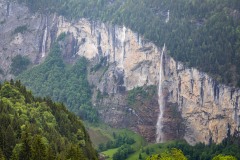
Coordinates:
column 133, row 58
column 197, row 107
column 22, row 33
column 127, row 62
column 206, row 107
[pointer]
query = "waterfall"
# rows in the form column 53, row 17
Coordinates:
column 44, row 41
column 159, row 133
column 123, row 44
column 140, row 41
column 168, row 17
column 113, row 43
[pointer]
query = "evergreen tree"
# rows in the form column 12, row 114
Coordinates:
column 10, row 141
column 2, row 157
column 39, row 149
column 38, row 128
column 26, row 149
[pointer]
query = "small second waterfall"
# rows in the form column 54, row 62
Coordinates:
column 123, row 44
column 159, row 133
column 168, row 17
column 44, row 41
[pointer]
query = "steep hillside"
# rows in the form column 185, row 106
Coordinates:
column 62, row 82
column 38, row 128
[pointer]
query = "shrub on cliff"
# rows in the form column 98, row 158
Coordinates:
column 19, row 64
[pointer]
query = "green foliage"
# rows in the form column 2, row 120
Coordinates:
column 140, row 94
column 229, row 146
column 123, row 152
column 62, row 36
column 19, row 64
column 39, row 149
column 134, row 93
column 8, row 92
column 140, row 156
column 173, row 154
column 20, row 29
column 199, row 32
column 2, row 157
column 117, row 142
column 67, row 84
column 222, row 157
column 39, row 129
column 113, row 132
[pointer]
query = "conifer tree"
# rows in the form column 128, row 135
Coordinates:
column 39, row 149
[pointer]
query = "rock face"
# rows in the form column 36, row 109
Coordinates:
column 22, row 33
column 205, row 106
column 197, row 107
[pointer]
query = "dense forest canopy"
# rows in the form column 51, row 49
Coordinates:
column 228, row 149
column 38, row 128
column 201, row 33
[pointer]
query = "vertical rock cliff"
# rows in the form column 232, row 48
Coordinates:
column 197, row 108
column 201, row 108
column 22, row 33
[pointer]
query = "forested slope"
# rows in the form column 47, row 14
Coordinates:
column 62, row 82
column 202, row 33
column 228, row 149
column 38, row 128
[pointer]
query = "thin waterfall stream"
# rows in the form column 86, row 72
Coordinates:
column 159, row 132
column 44, row 42
column 123, row 44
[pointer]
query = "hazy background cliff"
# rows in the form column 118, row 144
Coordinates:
column 197, row 108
